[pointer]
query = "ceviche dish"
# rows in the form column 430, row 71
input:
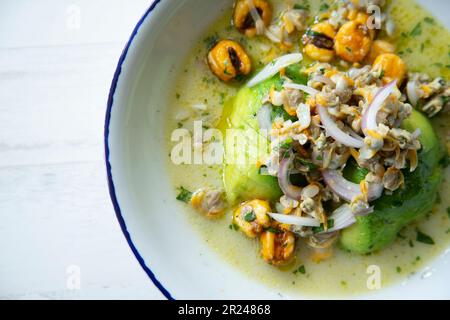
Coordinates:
column 308, row 142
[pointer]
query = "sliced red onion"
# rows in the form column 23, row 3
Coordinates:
column 364, row 212
column 311, row 91
column 369, row 119
column 259, row 23
column 334, row 131
column 286, row 186
column 324, row 80
column 294, row 220
column 416, row 133
column 348, row 190
column 412, row 92
column 274, row 67
column 342, row 218
column 263, row 116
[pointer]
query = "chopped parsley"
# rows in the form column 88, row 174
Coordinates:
column 416, row 31
column 273, row 230
column 448, row 212
column 233, row 226
column 422, row 237
column 300, row 269
column 184, row 195
column 399, row 270
column 324, row 7
column 298, row 6
column 250, row 216
column 429, row 20
column 322, row 227
column 210, row 41
column 312, row 33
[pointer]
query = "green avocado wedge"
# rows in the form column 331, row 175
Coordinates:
column 242, row 180
column 393, row 212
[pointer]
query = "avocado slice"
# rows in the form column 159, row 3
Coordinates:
column 393, row 212
column 242, row 180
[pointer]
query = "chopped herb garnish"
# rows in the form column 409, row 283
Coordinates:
column 416, row 31
column 298, row 6
column 178, row 96
column 300, row 269
column 222, row 98
column 184, row 195
column 381, row 74
column 273, row 230
column 286, row 144
column 250, row 216
column 448, row 212
column 211, row 41
column 445, row 161
column 324, row 7
column 429, row 20
column 422, row 237
column 399, row 270
column 322, row 227
column 279, row 112
column 312, row 33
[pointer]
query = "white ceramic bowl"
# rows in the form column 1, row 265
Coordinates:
column 173, row 255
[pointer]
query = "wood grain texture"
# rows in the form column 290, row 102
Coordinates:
column 57, row 58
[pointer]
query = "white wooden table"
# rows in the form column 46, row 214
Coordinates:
column 59, row 237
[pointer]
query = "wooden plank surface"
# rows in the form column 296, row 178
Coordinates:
column 59, row 235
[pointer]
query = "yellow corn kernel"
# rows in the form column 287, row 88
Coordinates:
column 243, row 20
column 379, row 47
column 277, row 248
column 227, row 59
column 251, row 217
column 392, row 67
column 353, row 41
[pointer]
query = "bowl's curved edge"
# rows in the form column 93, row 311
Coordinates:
column 112, row 191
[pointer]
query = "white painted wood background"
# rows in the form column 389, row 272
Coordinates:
column 57, row 59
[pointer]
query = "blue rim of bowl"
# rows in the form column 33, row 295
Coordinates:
column 112, row 191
